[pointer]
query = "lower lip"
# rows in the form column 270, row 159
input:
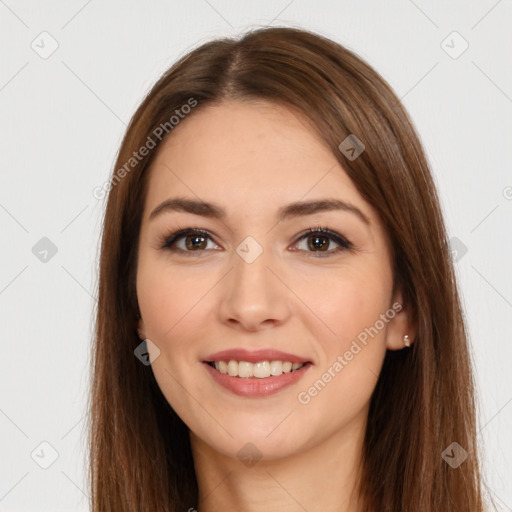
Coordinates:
column 254, row 387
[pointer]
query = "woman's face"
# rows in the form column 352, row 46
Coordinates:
column 255, row 280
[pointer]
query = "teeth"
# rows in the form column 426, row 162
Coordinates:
column 276, row 368
column 260, row 370
column 245, row 369
column 232, row 368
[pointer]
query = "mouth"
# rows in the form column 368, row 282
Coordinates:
column 256, row 380
column 256, row 373
column 258, row 370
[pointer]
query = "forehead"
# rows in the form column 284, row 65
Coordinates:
column 251, row 158
column 259, row 147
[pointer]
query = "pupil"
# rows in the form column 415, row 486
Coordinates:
column 317, row 239
column 193, row 239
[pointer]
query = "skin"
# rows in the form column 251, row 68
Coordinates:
column 251, row 159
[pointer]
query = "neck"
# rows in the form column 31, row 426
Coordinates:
column 323, row 477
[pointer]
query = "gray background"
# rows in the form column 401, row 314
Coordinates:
column 62, row 120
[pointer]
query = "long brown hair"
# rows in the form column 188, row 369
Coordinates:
column 424, row 400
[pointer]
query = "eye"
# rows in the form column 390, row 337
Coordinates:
column 194, row 240
column 319, row 239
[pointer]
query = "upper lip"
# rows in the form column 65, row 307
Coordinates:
column 255, row 356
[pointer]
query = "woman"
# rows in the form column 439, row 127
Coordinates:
column 279, row 326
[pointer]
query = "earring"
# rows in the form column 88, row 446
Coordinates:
column 407, row 342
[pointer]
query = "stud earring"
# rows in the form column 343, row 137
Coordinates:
column 407, row 342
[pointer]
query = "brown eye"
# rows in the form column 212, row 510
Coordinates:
column 194, row 242
column 187, row 241
column 318, row 241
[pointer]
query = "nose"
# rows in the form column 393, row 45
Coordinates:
column 254, row 295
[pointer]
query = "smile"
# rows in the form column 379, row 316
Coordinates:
column 252, row 386
column 260, row 370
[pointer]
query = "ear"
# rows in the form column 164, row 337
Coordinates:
column 141, row 329
column 400, row 325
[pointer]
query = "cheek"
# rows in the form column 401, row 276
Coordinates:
column 165, row 295
column 170, row 304
column 347, row 301
column 354, row 346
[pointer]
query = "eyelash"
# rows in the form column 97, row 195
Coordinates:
column 167, row 242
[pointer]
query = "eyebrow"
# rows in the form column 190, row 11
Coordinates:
column 298, row 209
